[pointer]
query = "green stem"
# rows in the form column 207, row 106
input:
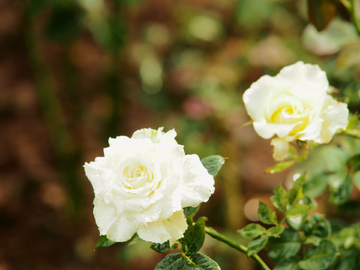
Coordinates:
column 241, row 248
column 354, row 17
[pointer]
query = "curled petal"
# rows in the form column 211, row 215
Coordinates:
column 171, row 229
column 281, row 148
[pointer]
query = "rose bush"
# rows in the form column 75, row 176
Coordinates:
column 294, row 105
column 143, row 183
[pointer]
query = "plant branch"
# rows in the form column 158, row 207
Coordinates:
column 241, row 248
column 354, row 16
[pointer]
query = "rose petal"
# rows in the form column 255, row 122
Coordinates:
column 115, row 227
column 168, row 229
column 267, row 130
column 281, row 148
column 305, row 76
column 197, row 183
column 335, row 116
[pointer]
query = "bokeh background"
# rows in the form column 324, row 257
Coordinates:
column 75, row 72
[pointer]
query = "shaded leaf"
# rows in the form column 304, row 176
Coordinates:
column 201, row 262
column 316, row 185
column 252, row 230
column 279, row 167
column 280, row 198
column 104, row 242
column 320, row 12
column 213, row 164
column 288, row 264
column 320, row 257
column 317, row 225
column 286, row 246
column 348, row 262
column 354, row 162
column 173, row 261
column 163, row 247
column 340, row 188
column 275, row 231
column 356, row 179
column 194, row 237
column 257, row 244
column 188, row 211
column 295, row 193
column 266, row 214
column 297, row 210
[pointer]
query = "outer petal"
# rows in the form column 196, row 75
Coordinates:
column 97, row 175
column 171, row 229
column 301, row 74
column 115, row 226
column 157, row 136
column 256, row 97
column 281, row 148
column 335, row 115
column 197, row 183
column 267, row 130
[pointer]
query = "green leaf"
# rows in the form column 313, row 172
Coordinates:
column 356, row 179
column 257, row 244
column 297, row 210
column 317, row 225
column 348, row 262
column 188, row 211
column 297, row 222
column 173, row 261
column 104, row 242
column 320, row 257
column 275, row 231
column 194, row 237
column 320, row 12
column 280, row 198
column 316, row 185
column 288, row 264
column 286, row 246
column 340, row 188
column 354, row 162
column 201, row 262
column 279, row 167
column 266, row 214
column 295, row 193
column 252, row 230
column 135, row 239
column 316, row 228
column 163, row 247
column 352, row 121
column 213, row 164
column 352, row 132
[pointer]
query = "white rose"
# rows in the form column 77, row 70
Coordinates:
column 142, row 185
column 294, row 105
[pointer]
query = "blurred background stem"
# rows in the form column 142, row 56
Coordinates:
column 65, row 152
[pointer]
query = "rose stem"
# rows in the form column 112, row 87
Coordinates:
column 241, row 248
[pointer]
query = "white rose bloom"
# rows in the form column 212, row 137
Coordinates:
column 142, row 185
column 294, row 105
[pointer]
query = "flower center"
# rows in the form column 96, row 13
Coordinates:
column 139, row 178
column 286, row 110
